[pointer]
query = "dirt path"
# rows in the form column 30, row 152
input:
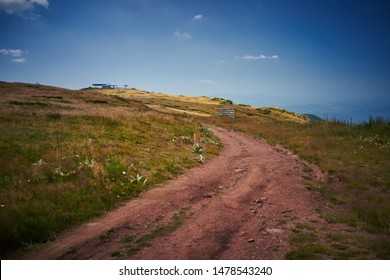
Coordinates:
column 240, row 205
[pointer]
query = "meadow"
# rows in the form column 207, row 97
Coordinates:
column 68, row 156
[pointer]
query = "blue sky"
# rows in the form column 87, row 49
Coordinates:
column 324, row 57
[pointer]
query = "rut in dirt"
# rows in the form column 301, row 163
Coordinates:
column 231, row 207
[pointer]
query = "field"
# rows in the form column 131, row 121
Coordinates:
column 68, row 156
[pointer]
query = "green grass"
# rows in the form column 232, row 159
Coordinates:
column 61, row 166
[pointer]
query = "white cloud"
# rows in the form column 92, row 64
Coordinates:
column 21, row 7
column 182, row 36
column 221, row 61
column 44, row 3
column 197, row 17
column 19, row 60
column 258, row 57
column 16, row 53
column 11, row 52
column 207, row 81
column 254, row 57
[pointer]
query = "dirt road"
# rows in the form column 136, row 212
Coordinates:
column 240, row 205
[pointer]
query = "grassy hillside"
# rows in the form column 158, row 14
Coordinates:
column 67, row 156
column 354, row 157
column 202, row 106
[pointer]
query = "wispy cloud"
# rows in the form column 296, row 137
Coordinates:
column 257, row 57
column 12, row 52
column 207, row 81
column 19, row 60
column 23, row 8
column 182, row 36
column 221, row 61
column 197, row 17
column 16, row 53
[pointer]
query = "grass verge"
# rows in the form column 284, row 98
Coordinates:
column 355, row 158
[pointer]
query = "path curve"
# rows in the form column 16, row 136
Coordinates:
column 239, row 205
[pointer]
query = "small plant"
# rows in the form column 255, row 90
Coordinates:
column 282, row 222
column 137, row 179
column 201, row 159
column 114, row 168
column 197, row 149
column 264, row 111
column 312, row 187
column 116, row 254
column 72, row 250
column 103, row 237
column 87, row 162
column 207, row 141
column 205, row 131
column 222, row 100
column 59, row 174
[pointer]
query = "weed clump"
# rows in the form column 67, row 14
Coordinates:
column 264, row 111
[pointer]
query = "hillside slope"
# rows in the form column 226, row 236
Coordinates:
column 67, row 156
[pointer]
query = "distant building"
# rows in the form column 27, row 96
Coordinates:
column 104, row 86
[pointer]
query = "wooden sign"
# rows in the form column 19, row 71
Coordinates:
column 227, row 112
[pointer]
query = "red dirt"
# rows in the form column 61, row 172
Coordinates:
column 240, row 205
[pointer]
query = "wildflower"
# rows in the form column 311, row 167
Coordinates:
column 39, row 162
column 201, row 159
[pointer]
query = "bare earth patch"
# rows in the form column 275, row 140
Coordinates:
column 241, row 205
